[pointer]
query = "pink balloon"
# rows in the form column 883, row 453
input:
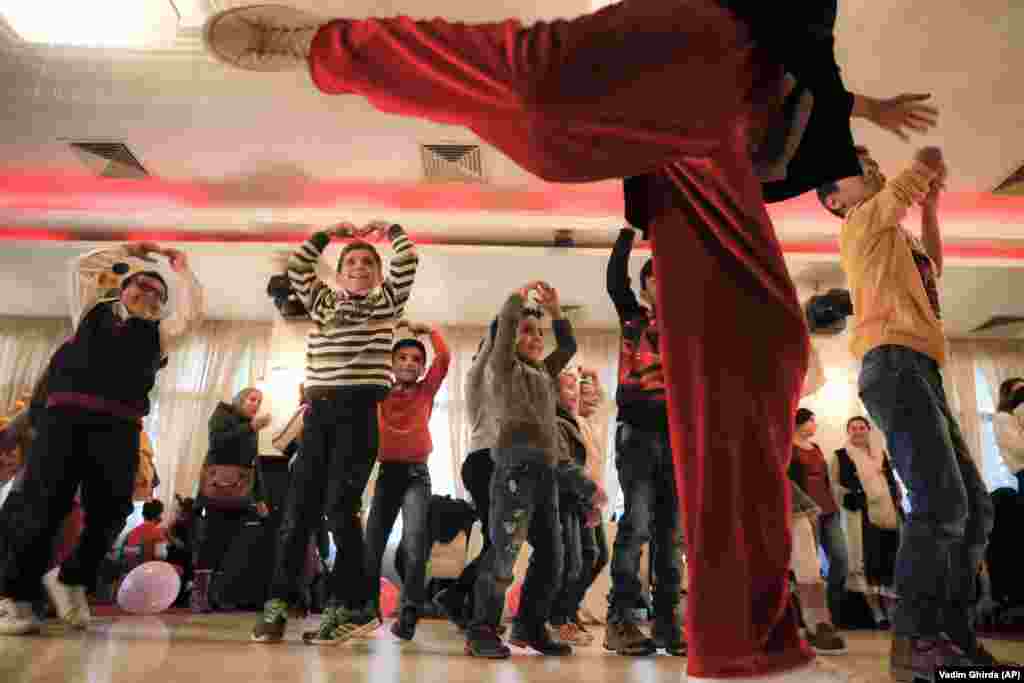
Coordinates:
column 512, row 599
column 150, row 588
column 388, row 598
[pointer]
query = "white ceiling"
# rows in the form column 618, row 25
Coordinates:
column 466, row 285
column 261, row 138
column 253, row 146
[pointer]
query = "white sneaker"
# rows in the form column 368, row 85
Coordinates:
column 68, row 600
column 17, row 618
column 815, row 672
column 261, row 37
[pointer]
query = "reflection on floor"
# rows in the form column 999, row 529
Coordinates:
column 194, row 649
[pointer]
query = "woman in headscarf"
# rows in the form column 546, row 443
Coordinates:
column 872, row 504
column 229, row 492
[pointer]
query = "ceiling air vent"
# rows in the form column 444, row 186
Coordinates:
column 442, row 163
column 109, row 159
column 998, row 322
column 1013, row 186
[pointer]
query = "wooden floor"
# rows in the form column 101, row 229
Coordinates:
column 193, row 649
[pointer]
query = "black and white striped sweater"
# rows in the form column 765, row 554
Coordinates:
column 351, row 343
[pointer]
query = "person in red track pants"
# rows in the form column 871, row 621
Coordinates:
column 675, row 91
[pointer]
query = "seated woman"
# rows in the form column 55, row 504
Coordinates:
column 229, row 492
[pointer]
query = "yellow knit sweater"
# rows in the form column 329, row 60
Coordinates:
column 890, row 305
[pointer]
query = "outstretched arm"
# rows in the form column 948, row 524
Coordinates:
column 89, row 277
column 439, row 366
column 310, row 290
column 931, row 235
column 617, row 276
column 191, row 306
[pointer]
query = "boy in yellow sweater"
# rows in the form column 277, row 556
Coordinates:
column 898, row 336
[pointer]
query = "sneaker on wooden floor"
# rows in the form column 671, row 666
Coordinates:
column 626, row 638
column 261, row 37
column 339, row 625
column 271, row 626
column 70, row 601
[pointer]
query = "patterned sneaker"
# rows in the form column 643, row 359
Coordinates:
column 340, row 625
column 261, row 38
column 17, row 618
column 271, row 626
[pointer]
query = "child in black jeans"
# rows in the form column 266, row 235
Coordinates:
column 97, row 390
column 644, row 460
column 347, row 374
column 524, row 490
column 403, row 482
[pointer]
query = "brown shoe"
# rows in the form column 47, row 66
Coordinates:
column 826, row 641
column 627, row 639
column 914, row 659
column 571, row 633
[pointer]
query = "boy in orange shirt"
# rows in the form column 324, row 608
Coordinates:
column 403, row 481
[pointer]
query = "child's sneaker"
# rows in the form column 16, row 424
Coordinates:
column 70, row 602
column 405, row 625
column 340, row 625
column 483, row 641
column 626, row 638
column 271, row 626
column 17, row 618
column 668, row 636
column 536, row 637
column 826, row 641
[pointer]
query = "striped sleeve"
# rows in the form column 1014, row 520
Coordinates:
column 302, row 276
column 402, row 267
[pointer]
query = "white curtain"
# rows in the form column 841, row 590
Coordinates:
column 222, row 358
column 463, row 343
column 998, row 361
column 26, row 345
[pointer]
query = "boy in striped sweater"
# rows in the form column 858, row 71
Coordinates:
column 348, row 372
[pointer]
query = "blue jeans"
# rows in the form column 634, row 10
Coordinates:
column 945, row 534
column 651, row 515
column 833, row 542
column 406, row 487
column 524, row 507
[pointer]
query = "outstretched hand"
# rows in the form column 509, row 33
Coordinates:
column 547, row 298
column 903, row 113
